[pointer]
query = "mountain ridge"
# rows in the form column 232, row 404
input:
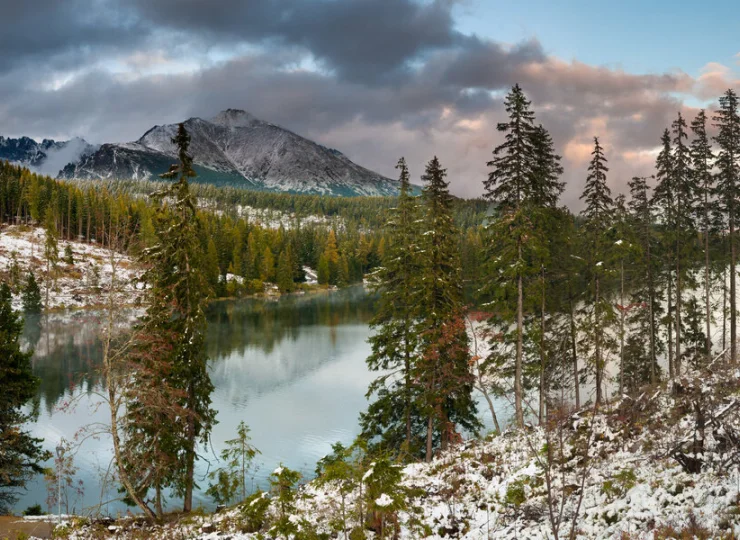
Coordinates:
column 45, row 157
column 237, row 149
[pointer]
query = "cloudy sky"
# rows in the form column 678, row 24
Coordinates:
column 376, row 79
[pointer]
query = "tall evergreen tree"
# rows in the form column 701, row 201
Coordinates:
column 442, row 370
column 546, row 186
column 21, row 454
column 285, row 271
column 644, row 295
column 727, row 120
column 31, row 296
column 702, row 160
column 523, row 179
column 51, row 251
column 664, row 199
column 597, row 218
column 683, row 227
column 395, row 416
column 174, row 325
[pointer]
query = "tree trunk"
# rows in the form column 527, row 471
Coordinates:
column 670, row 325
column 576, row 382
column 430, row 427
column 597, row 347
column 678, row 306
column 519, row 412
column 651, row 307
column 733, row 313
column 622, row 311
column 187, row 505
column 543, row 358
column 158, row 501
column 724, row 309
column 407, row 365
column 707, row 307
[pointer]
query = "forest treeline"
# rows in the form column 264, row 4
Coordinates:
column 343, row 249
column 633, row 290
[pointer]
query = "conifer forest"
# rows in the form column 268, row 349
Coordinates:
column 523, row 326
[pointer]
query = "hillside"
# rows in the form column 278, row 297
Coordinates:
column 47, row 157
column 236, row 149
column 79, row 284
column 638, row 468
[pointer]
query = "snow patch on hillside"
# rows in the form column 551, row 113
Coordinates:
column 81, row 284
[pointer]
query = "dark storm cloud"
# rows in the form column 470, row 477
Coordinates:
column 361, row 40
column 395, row 78
column 64, row 33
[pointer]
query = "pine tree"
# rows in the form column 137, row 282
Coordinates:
column 687, row 192
column 173, row 330
column 51, row 251
column 726, row 119
column 702, row 160
column 267, row 265
column 284, row 272
column 212, row 271
column 21, row 455
column 322, row 272
column 331, row 253
column 443, row 366
column 546, row 172
column 511, row 181
column 232, row 479
column 68, row 254
column 664, row 198
column 32, row 304
column 395, row 416
column 343, row 277
column 644, row 295
column 597, row 217
column 510, row 185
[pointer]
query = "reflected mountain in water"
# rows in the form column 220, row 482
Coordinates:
column 283, row 340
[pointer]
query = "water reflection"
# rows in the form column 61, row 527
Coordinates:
column 292, row 369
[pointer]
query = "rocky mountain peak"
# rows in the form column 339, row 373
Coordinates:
column 234, row 118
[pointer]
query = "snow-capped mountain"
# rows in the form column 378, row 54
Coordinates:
column 235, row 148
column 47, row 157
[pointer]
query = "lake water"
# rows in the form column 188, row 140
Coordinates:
column 293, row 370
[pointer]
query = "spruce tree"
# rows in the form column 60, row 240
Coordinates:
column 174, row 329
column 284, row 272
column 687, row 192
column 546, row 185
column 509, row 185
column 322, row 272
column 31, row 297
column 702, row 160
column 21, row 455
column 51, row 251
column 727, row 120
column 664, row 199
column 443, row 368
column 395, row 418
column 597, row 217
column 644, row 295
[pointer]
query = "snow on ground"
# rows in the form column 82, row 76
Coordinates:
column 81, row 284
column 312, row 277
column 612, row 473
column 271, row 218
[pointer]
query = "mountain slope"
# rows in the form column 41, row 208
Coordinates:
column 47, row 157
column 235, row 148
